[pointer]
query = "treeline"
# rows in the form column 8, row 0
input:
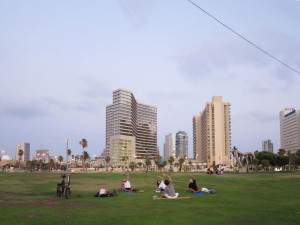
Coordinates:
column 269, row 160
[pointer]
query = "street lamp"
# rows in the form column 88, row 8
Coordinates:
column 66, row 140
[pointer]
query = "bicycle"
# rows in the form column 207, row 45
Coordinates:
column 64, row 188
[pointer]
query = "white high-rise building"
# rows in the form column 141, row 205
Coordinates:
column 25, row 147
column 267, row 145
column 170, row 146
column 212, row 133
column 290, row 129
column 131, row 128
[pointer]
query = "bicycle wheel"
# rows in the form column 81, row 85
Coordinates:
column 67, row 192
column 59, row 190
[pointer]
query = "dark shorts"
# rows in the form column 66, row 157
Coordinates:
column 162, row 190
column 128, row 189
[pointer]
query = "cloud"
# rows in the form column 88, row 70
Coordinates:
column 25, row 110
column 137, row 11
column 263, row 117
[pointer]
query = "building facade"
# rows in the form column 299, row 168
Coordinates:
column 290, row 130
column 267, row 145
column 170, row 146
column 212, row 133
column 25, row 146
column 131, row 128
column 182, row 144
column 43, row 154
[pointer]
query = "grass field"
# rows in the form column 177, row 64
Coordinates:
column 262, row 198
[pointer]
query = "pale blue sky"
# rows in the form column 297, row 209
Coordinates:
column 61, row 60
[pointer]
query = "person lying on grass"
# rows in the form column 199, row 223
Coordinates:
column 160, row 184
column 169, row 191
column 126, row 186
column 192, row 185
column 105, row 193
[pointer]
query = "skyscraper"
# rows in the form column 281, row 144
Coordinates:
column 212, row 133
column 170, row 146
column 182, row 144
column 267, row 145
column 26, row 151
column 290, row 129
column 131, row 128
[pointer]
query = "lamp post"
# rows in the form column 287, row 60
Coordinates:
column 66, row 140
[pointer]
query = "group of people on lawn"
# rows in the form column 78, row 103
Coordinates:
column 165, row 187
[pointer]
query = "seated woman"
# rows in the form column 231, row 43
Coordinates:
column 105, row 193
column 169, row 191
column 193, row 186
column 126, row 186
column 160, row 185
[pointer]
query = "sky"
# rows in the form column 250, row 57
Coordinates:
column 61, row 60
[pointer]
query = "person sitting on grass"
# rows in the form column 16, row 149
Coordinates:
column 105, row 193
column 169, row 191
column 192, row 185
column 126, row 186
column 160, row 185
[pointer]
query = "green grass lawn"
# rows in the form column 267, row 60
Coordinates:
column 261, row 198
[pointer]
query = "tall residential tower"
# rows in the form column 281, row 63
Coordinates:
column 131, row 128
column 25, row 147
column 212, row 133
column 170, row 146
column 182, row 147
column 290, row 129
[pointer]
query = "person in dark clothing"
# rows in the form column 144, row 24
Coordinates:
column 193, row 186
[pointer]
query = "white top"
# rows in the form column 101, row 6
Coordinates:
column 127, row 184
column 102, row 191
column 162, row 185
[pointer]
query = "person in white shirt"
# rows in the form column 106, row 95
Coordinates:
column 160, row 185
column 126, row 186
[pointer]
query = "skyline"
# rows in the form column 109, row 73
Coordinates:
column 60, row 62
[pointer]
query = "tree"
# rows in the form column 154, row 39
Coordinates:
column 171, row 160
column 264, row 155
column 132, row 166
column 265, row 163
column 164, row 164
column 256, row 153
column 181, row 161
column 148, row 163
column 281, row 160
column 20, row 153
column 69, row 152
column 140, row 165
column 107, row 160
column 85, row 157
column 157, row 160
column 60, row 159
column 190, row 164
column 84, row 144
column 281, row 151
column 256, row 163
column 51, row 163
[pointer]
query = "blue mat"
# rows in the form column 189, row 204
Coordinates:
column 131, row 192
column 198, row 193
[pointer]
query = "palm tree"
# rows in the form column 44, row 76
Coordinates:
column 171, row 160
column 60, row 159
column 157, row 160
column 20, row 153
column 148, row 163
column 181, row 161
column 69, row 152
column 85, row 157
column 51, row 163
column 84, row 144
column 107, row 160
column 190, row 163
